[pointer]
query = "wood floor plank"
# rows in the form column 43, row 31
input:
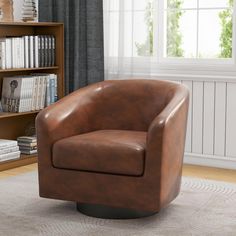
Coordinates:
column 210, row 173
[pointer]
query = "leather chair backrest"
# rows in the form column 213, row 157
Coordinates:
column 129, row 104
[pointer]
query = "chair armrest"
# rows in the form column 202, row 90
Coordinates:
column 67, row 117
column 165, row 146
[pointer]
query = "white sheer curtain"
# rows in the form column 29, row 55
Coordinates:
column 128, row 37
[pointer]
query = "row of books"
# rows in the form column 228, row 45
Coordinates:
column 28, row 93
column 30, row 51
column 9, row 150
column 27, row 144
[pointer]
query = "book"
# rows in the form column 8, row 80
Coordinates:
column 6, row 143
column 13, row 94
column 27, row 139
column 2, row 53
column 28, row 148
column 31, row 51
column 22, row 105
column 35, row 89
column 26, row 51
column 9, row 149
column 39, row 50
column 24, row 94
column 30, row 93
column 53, row 40
column 23, row 144
column 39, row 93
column 28, row 152
column 43, row 92
column 29, row 10
column 55, row 92
column 25, row 148
column 49, row 51
column 45, row 50
column 11, row 91
column 42, row 54
column 36, row 51
column 18, row 52
column 14, row 58
column 52, row 89
column 10, row 156
column 8, row 53
column 22, row 51
column 48, row 97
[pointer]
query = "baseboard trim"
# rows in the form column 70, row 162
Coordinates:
column 210, row 161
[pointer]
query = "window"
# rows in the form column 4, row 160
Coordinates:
column 197, row 28
column 127, row 25
column 164, row 32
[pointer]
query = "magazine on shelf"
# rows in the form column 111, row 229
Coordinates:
column 15, row 94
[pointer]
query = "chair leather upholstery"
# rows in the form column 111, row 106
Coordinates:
column 104, row 151
column 146, row 175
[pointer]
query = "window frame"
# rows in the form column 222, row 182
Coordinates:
column 189, row 63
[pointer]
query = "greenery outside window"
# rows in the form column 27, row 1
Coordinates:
column 189, row 30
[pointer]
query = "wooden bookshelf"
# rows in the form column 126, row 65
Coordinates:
column 13, row 125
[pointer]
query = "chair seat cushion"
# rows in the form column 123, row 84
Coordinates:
column 104, row 151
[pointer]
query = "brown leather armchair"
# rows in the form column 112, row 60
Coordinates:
column 114, row 147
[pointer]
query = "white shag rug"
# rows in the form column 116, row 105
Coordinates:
column 203, row 207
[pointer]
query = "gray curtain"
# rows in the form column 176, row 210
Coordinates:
column 83, row 21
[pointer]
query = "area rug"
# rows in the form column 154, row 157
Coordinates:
column 203, row 208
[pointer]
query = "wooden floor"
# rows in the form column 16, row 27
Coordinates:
column 188, row 170
column 18, row 171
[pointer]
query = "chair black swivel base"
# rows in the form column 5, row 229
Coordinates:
column 105, row 212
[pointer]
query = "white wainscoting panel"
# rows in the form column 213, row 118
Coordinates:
column 208, row 117
column 220, row 119
column 231, row 120
column 197, row 119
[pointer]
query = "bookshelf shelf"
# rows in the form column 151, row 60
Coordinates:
column 13, row 125
column 11, row 114
column 29, row 69
column 22, row 161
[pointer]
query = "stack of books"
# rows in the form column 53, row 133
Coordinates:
column 29, row 10
column 9, row 150
column 28, row 93
column 28, row 51
column 27, row 144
